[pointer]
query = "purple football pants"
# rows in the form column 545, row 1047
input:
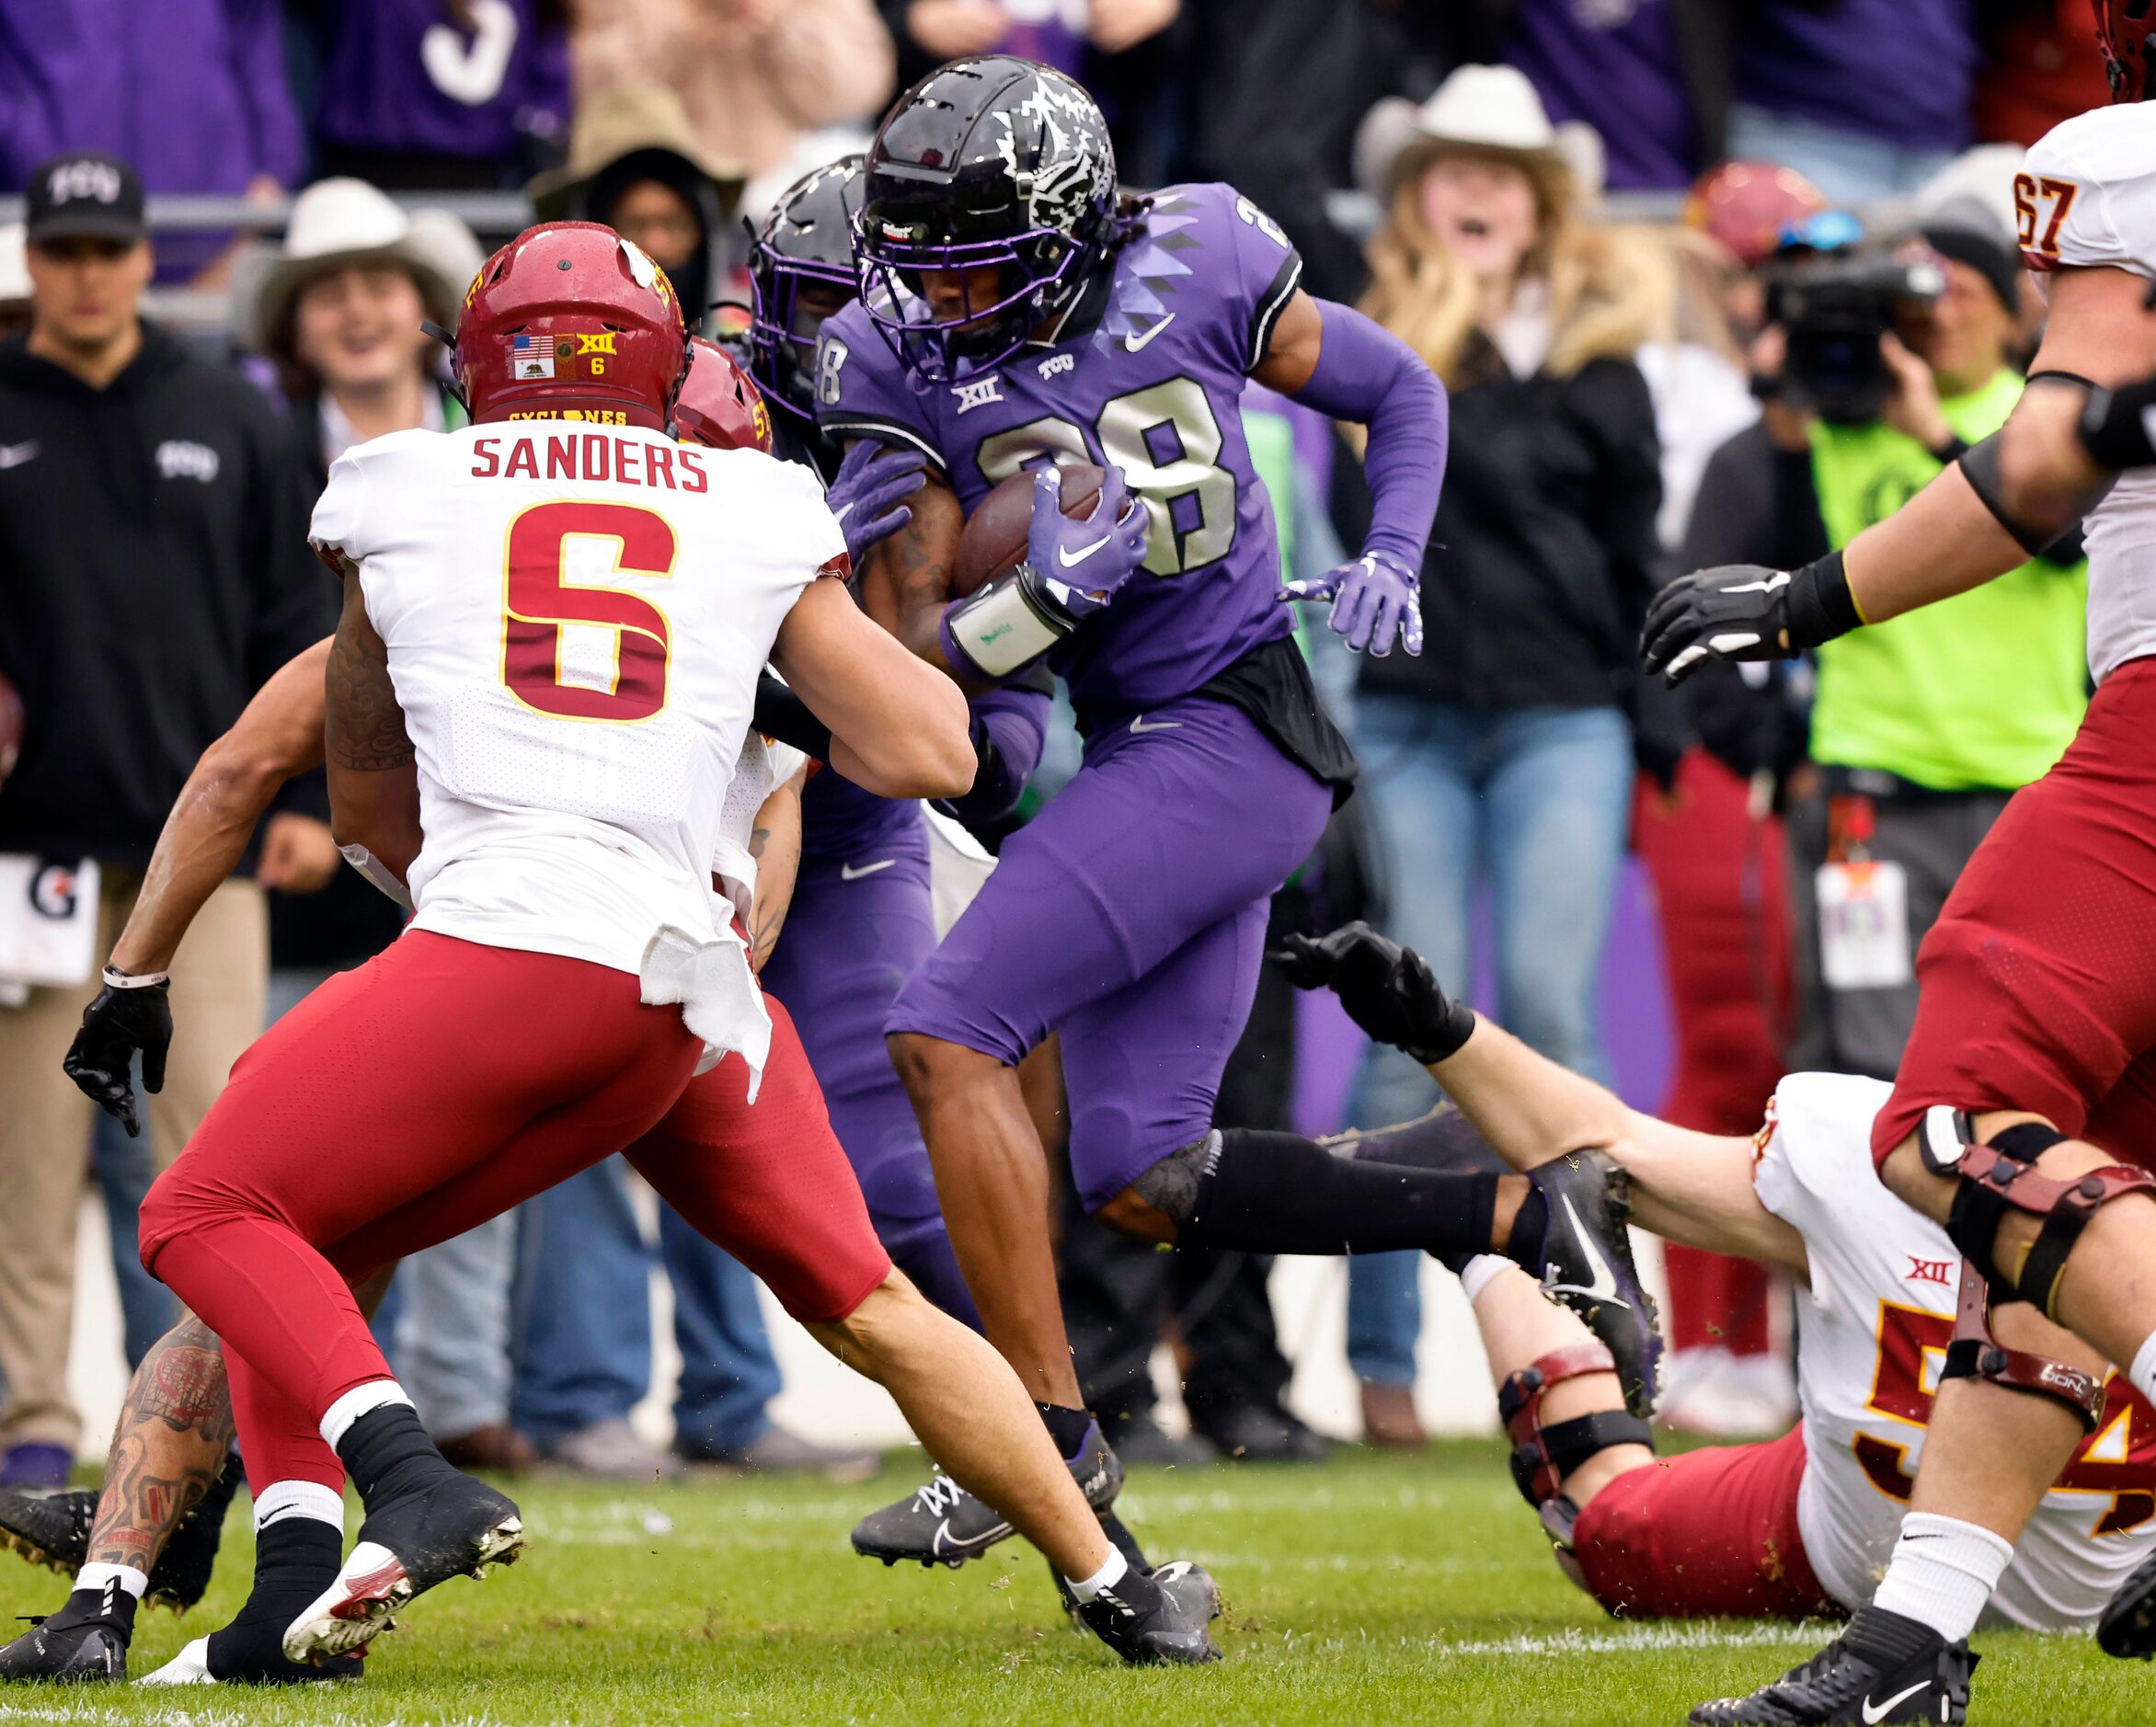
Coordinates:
column 858, row 928
column 1129, row 915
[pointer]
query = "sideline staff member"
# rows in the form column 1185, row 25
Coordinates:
column 153, row 571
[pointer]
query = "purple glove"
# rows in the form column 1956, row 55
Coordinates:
column 1371, row 596
column 1078, row 563
column 866, row 495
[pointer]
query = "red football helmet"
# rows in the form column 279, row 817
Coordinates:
column 1746, row 204
column 570, row 320
column 719, row 406
column 2122, row 32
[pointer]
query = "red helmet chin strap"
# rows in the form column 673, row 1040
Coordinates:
column 2122, row 32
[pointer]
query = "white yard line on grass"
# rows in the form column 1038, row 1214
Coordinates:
column 1648, row 1638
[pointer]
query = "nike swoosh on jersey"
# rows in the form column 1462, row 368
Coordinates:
column 1139, row 725
column 15, row 455
column 1873, row 1715
column 847, row 873
column 1135, row 341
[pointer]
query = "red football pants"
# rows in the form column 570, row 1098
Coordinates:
column 328, row 1152
column 1725, row 943
column 1708, row 1534
column 2038, row 981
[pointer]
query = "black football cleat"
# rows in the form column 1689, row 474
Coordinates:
column 1885, row 1667
column 85, row 1642
column 451, row 1526
column 1586, row 1266
column 1169, row 1630
column 942, row 1524
column 2126, row 1627
column 54, row 1530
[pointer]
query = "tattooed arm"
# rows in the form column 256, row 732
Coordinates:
column 776, row 844
column 373, row 779
column 175, row 1430
column 906, row 577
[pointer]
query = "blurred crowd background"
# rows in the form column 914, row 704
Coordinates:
column 1709, row 282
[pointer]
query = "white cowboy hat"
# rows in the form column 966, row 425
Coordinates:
column 333, row 223
column 1488, row 111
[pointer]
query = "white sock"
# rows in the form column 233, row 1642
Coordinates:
column 1942, row 1571
column 283, row 1501
column 362, row 1400
column 1479, row 1272
column 2143, row 1374
column 1106, row 1577
column 96, row 1576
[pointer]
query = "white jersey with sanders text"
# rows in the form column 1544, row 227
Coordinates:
column 1871, row 1338
column 2086, row 198
column 575, row 620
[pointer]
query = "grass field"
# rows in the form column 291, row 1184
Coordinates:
column 1368, row 1589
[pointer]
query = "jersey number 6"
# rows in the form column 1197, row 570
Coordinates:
column 540, row 601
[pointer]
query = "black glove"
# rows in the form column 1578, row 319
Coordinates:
column 1386, row 988
column 1746, row 612
column 115, row 1026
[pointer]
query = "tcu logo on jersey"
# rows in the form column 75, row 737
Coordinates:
column 178, row 459
column 71, row 180
column 1057, row 363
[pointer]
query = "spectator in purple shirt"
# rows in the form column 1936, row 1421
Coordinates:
column 1865, row 99
column 435, row 94
column 194, row 90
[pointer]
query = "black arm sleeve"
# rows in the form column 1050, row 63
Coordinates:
column 782, row 714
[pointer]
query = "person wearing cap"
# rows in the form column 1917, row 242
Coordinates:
column 635, row 163
column 154, row 572
column 1507, row 751
column 1923, row 727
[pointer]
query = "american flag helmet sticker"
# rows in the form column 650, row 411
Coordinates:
column 531, row 357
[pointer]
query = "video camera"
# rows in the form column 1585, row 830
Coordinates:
column 1833, row 311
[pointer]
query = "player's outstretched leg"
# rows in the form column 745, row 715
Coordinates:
column 969, row 1412
column 1278, row 1192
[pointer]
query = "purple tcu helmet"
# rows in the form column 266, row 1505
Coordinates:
column 992, row 163
column 800, row 272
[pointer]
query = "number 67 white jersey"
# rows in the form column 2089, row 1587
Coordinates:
column 576, row 617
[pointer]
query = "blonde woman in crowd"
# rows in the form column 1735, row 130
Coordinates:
column 1505, row 753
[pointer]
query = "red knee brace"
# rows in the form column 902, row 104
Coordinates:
column 1975, row 1354
column 1543, row 1457
column 2003, row 1173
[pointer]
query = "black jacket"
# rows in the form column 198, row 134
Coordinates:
column 1544, row 555
column 154, row 572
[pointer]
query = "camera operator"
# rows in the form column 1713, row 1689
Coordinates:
column 1876, row 371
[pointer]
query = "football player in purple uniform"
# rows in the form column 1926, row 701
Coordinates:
column 862, row 920
column 1018, row 310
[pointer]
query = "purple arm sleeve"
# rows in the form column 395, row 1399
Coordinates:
column 1008, row 729
column 1366, row 373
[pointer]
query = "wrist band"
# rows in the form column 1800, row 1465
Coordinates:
column 1820, row 604
column 117, row 980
